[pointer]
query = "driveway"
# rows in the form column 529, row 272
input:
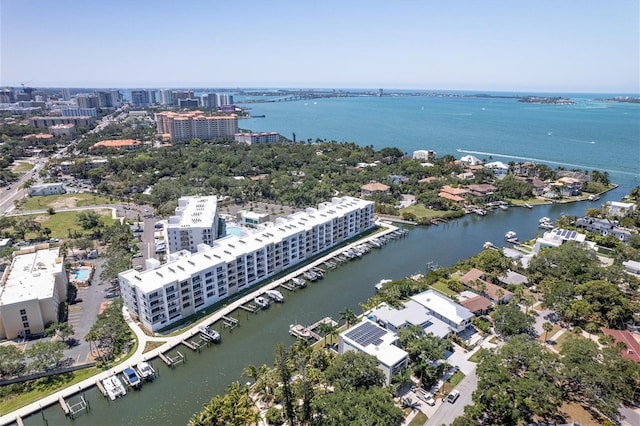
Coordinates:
column 446, row 412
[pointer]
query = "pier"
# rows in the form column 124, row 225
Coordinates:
column 230, row 322
column 101, row 388
column 189, row 345
column 73, row 409
column 173, row 361
column 287, row 287
column 250, row 307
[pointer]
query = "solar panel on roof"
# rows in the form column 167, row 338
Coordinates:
column 573, row 235
column 366, row 334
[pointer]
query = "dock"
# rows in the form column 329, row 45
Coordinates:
column 19, row 421
column 287, row 287
column 101, row 388
column 249, row 307
column 189, row 345
column 73, row 409
column 64, row 405
column 173, row 361
column 165, row 359
column 230, row 322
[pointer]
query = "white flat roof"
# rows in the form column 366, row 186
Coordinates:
column 381, row 345
column 443, row 306
column 194, row 212
column 31, row 276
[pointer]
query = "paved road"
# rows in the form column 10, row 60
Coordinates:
column 448, row 412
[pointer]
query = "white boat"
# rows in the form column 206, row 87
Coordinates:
column 145, row 371
column 300, row 331
column 381, row 283
column 262, row 302
column 275, row 295
column 544, row 220
column 594, row 197
column 509, row 235
column 209, row 333
column 131, row 378
column 113, row 387
column 546, row 225
column 299, row 282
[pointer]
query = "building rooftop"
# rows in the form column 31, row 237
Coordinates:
column 443, row 306
column 197, row 211
column 31, row 275
column 375, row 186
column 117, row 143
column 632, row 350
column 374, row 340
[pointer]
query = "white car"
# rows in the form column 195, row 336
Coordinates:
column 453, row 396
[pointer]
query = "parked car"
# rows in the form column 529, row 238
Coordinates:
column 76, row 300
column 453, row 396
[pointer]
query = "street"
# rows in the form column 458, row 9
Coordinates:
column 447, row 412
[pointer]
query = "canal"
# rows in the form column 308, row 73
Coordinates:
column 181, row 391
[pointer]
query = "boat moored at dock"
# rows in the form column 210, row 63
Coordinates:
column 299, row 331
column 113, row 387
column 209, row 333
column 145, row 371
column 131, row 378
column 261, row 302
column 275, row 295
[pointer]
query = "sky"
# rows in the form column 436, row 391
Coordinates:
column 499, row 45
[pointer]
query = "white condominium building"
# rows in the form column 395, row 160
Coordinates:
column 161, row 296
column 32, row 289
column 195, row 222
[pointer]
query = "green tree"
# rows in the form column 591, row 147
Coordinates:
column 372, row 407
column 44, row 356
column 547, row 327
column 88, row 219
column 12, row 361
column 509, row 320
column 62, row 329
column 348, row 316
column 354, row 370
column 235, row 408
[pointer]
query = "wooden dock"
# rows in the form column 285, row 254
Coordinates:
column 64, row 405
column 249, row 307
column 165, row 359
column 19, row 421
column 230, row 322
column 76, row 408
column 101, row 387
column 287, row 287
column 189, row 345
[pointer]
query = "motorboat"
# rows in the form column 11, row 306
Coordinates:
column 262, row 302
column 132, row 378
column 544, row 220
column 146, row 371
column 209, row 333
column 299, row 331
column 509, row 235
column 275, row 295
column 546, row 225
column 113, row 387
column 299, row 282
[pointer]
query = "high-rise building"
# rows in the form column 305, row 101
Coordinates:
column 109, row 98
column 87, row 101
column 139, row 97
column 196, row 221
column 188, row 103
column 152, row 95
column 209, row 100
column 79, row 112
column 194, row 124
column 176, row 95
column 224, row 99
column 166, row 97
column 165, row 294
column 66, row 94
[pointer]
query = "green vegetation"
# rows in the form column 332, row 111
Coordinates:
column 442, row 287
column 22, row 167
column 419, row 419
column 455, row 379
column 64, row 200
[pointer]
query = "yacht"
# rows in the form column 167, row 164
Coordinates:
column 275, row 295
column 509, row 235
column 113, row 387
column 544, row 220
column 299, row 331
column 145, row 371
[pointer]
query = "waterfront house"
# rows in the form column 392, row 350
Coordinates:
column 424, row 154
column 456, row 195
column 603, row 227
column 619, row 209
column 483, row 190
column 498, row 168
column 477, row 305
column 457, row 317
column 514, row 278
column 411, row 313
column 526, row 169
column 369, row 338
column 475, row 279
column 559, row 236
column 568, row 186
column 470, row 160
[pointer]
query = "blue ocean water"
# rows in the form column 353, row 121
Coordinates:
column 592, row 134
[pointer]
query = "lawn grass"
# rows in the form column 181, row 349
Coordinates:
column 476, row 356
column 420, row 419
column 455, row 379
column 45, row 388
column 64, row 222
column 420, row 211
column 442, row 288
column 553, row 331
column 21, row 167
column 149, row 346
column 64, row 200
column 564, row 337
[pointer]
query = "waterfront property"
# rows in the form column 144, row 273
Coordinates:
column 454, row 315
column 33, row 287
column 370, row 338
column 165, row 294
column 411, row 313
column 194, row 124
column 603, row 227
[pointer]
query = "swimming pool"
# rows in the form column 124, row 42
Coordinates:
column 235, row 230
column 81, row 274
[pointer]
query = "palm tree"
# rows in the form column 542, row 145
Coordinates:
column 547, row 327
column 348, row 316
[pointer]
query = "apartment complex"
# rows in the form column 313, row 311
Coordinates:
column 42, row 122
column 194, row 124
column 168, row 293
column 196, row 221
column 251, row 138
column 32, row 289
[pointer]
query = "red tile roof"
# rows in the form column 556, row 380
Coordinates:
column 632, row 352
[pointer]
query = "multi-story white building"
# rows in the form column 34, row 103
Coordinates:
column 162, row 295
column 194, row 124
column 195, row 222
column 166, row 97
column 251, row 138
column 32, row 289
column 79, row 112
column 369, row 338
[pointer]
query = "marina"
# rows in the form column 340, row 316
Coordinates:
column 131, row 378
column 146, row 371
column 113, row 388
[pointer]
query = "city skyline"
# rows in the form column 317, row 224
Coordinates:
column 593, row 46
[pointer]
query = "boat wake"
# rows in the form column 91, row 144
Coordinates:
column 538, row 160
